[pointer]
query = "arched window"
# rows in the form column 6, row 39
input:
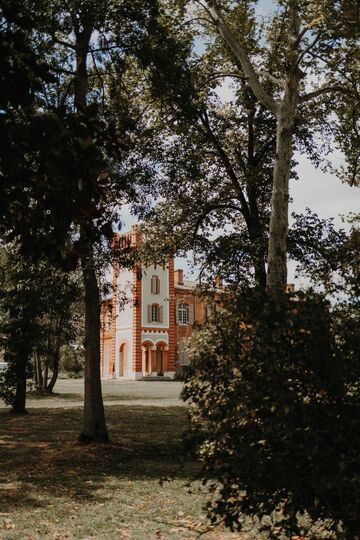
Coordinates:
column 155, row 313
column 155, row 285
column 183, row 313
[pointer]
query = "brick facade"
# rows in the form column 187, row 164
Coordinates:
column 147, row 335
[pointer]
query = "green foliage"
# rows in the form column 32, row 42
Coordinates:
column 39, row 311
column 276, row 391
column 72, row 360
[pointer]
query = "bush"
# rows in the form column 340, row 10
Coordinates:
column 278, row 391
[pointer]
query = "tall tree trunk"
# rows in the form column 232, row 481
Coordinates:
column 94, row 429
column 19, row 405
column 277, row 250
column 279, row 221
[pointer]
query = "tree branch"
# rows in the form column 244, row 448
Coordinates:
column 272, row 79
column 239, row 53
column 63, row 43
column 326, row 90
column 227, row 164
column 308, row 48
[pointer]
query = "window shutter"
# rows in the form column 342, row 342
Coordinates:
column 177, row 313
column 191, row 314
column 161, row 309
column 158, row 285
column 152, row 284
column 181, row 352
column 149, row 313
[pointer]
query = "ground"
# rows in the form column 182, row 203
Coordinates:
column 135, row 488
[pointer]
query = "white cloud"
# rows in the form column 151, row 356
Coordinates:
column 322, row 192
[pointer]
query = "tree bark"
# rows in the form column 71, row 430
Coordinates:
column 277, row 250
column 19, row 405
column 38, row 372
column 94, row 429
column 45, row 375
column 55, row 371
column 279, row 221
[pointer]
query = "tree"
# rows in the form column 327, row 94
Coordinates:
column 67, row 153
column 37, row 317
column 305, row 38
column 20, row 330
column 61, row 322
column 215, row 160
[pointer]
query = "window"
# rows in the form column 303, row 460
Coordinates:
column 155, row 285
column 183, row 314
column 155, row 313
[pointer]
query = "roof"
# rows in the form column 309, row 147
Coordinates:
column 186, row 286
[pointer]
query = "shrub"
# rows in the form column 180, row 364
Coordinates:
column 278, row 391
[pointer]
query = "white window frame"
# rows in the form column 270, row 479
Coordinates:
column 183, row 313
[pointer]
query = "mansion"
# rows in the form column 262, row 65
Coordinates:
column 148, row 320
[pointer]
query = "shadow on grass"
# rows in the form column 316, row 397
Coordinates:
column 34, row 396
column 38, row 396
column 39, row 455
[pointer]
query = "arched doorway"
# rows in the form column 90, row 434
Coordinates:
column 122, row 359
column 147, row 355
column 161, row 358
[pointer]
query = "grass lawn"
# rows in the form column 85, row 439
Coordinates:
column 135, row 488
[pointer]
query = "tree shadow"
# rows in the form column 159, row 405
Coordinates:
column 39, row 455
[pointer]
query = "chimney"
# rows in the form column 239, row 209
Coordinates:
column 179, row 277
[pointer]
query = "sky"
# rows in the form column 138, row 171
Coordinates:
column 323, row 193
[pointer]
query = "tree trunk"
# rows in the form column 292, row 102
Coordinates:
column 38, row 372
column 20, row 393
column 260, row 269
column 55, row 371
column 94, row 429
column 278, row 230
column 45, row 375
column 279, row 221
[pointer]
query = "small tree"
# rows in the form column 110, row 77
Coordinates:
column 19, row 327
column 61, row 322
